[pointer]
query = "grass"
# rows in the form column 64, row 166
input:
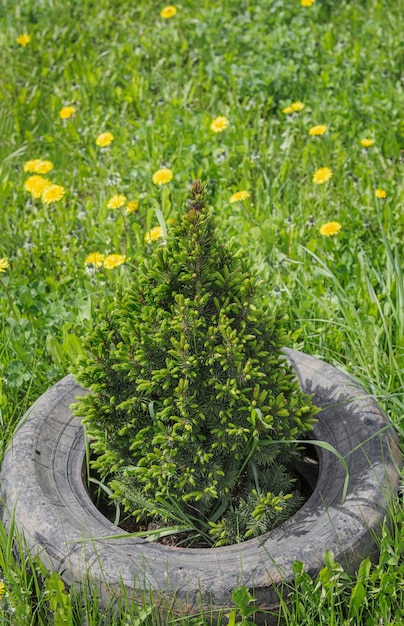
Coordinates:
column 156, row 84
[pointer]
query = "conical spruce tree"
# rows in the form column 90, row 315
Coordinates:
column 191, row 398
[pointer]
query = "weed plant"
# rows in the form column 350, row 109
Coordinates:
column 330, row 252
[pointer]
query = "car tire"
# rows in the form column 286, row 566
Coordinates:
column 43, row 486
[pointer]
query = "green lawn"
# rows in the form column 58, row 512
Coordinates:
column 301, row 88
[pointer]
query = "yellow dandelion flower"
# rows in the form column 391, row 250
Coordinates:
column 114, row 260
column 168, row 12
column 239, row 196
column 320, row 129
column 95, row 258
column 23, row 39
column 31, row 166
column 53, row 193
column 380, row 193
column 163, row 176
column 219, row 124
column 38, row 166
column 307, row 3
column 154, row 234
column 132, row 206
column 104, row 140
column 36, row 185
column 321, row 175
column 116, row 201
column 366, row 143
column 67, row 112
column 330, row 228
column 43, row 167
column 297, row 106
column 4, row 264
